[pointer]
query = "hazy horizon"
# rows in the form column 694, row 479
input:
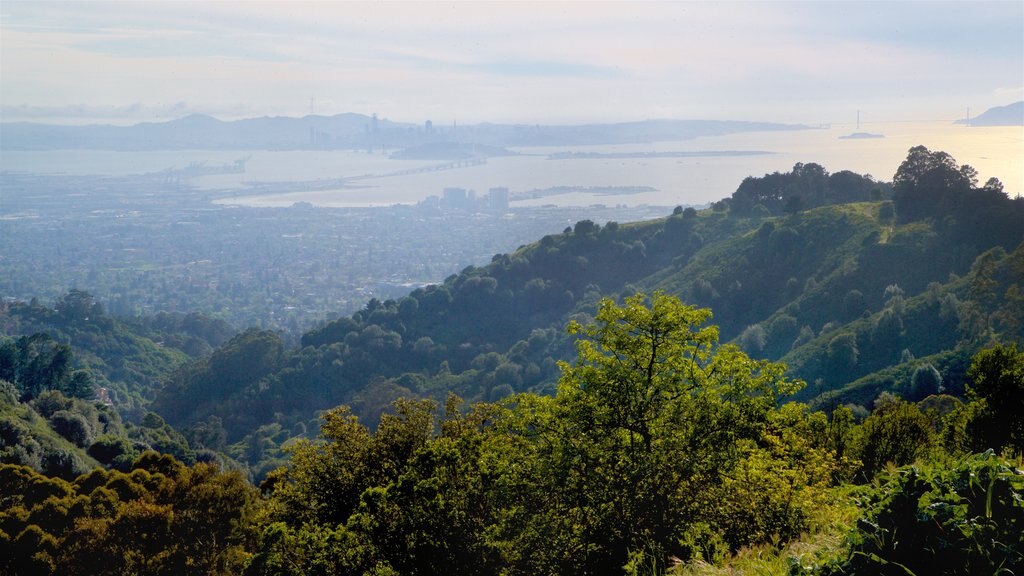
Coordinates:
column 471, row 62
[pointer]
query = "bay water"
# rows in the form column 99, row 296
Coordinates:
column 691, row 179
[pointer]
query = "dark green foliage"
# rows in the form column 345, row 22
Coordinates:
column 897, row 433
column 997, row 383
column 157, row 434
column 853, row 304
column 77, row 306
column 932, row 185
column 79, row 350
column 235, row 368
column 73, row 427
column 842, row 352
column 193, row 333
column 114, row 451
column 925, row 382
column 926, row 180
column 963, row 517
column 35, row 363
column 805, row 186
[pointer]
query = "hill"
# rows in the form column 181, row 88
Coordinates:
column 350, row 131
column 855, row 296
column 1009, row 115
column 855, row 284
column 663, row 447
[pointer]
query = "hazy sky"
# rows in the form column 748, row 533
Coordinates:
column 510, row 62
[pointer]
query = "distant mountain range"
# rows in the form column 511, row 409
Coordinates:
column 1009, row 115
column 351, row 131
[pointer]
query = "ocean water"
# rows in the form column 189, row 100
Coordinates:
column 992, row 151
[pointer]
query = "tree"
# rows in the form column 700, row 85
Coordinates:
column 584, row 227
column 658, row 443
column 997, row 384
column 925, row 381
column 36, row 363
column 78, row 306
column 853, row 304
column 753, row 339
column 925, row 182
column 646, row 423
column 842, row 351
column 897, row 432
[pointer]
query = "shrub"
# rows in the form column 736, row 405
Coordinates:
column 925, row 381
column 963, row 517
column 73, row 427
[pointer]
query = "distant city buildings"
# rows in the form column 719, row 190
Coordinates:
column 497, row 199
column 457, row 199
column 461, row 200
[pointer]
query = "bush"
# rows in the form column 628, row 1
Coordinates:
column 63, row 464
column 897, row 432
column 963, row 517
column 925, row 382
column 753, row 339
column 51, row 401
column 106, row 449
column 842, row 351
column 73, row 427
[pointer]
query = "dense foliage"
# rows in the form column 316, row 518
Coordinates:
column 854, row 296
column 77, row 348
column 662, row 449
column 949, row 517
column 659, row 442
column 659, row 449
column 160, row 517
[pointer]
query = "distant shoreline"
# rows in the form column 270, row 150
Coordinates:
column 677, row 154
column 595, row 190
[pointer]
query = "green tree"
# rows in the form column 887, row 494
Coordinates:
column 926, row 181
column 842, row 351
column 924, row 382
column 645, row 426
column 753, row 339
column 997, row 386
column 78, row 306
column 897, row 432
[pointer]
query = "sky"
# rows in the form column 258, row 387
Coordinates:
column 521, row 62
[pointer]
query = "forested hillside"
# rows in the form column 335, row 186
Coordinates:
column 662, row 451
column 854, row 294
column 746, row 379
column 77, row 383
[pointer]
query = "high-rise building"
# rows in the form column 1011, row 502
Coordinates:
column 454, row 199
column 497, row 199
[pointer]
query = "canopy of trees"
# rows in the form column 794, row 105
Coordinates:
column 662, row 450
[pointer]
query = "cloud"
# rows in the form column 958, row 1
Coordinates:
column 525, row 61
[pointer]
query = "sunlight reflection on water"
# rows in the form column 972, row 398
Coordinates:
column 993, row 151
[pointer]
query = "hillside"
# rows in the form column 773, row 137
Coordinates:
column 1009, row 115
column 612, row 422
column 351, row 131
column 75, row 385
column 856, row 285
column 842, row 291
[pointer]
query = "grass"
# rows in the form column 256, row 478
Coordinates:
column 825, row 540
